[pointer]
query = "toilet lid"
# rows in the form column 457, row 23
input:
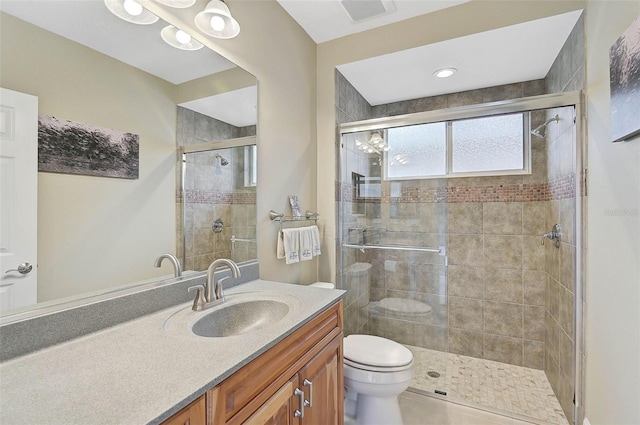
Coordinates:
column 376, row 351
column 404, row 306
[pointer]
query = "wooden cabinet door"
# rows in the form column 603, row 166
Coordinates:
column 193, row 414
column 278, row 410
column 322, row 381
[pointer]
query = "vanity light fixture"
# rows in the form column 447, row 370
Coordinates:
column 216, row 21
column 131, row 11
column 445, row 72
column 374, row 144
column 178, row 4
column 179, row 39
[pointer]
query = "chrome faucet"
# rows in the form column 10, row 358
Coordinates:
column 177, row 270
column 211, row 293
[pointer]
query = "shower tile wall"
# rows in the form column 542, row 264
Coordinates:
column 213, row 191
column 566, row 74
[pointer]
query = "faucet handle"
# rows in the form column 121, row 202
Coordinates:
column 219, row 290
column 199, row 302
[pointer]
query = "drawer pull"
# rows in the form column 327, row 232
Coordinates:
column 300, row 394
column 309, row 384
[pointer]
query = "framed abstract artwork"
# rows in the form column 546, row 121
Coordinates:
column 75, row 148
column 624, row 74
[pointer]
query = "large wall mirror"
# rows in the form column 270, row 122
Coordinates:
column 100, row 234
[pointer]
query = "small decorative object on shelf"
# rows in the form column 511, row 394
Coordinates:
column 295, row 207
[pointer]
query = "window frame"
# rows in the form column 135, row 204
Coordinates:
column 449, row 173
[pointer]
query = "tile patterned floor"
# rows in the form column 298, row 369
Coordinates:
column 424, row 410
column 502, row 387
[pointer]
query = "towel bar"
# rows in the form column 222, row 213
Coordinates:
column 281, row 218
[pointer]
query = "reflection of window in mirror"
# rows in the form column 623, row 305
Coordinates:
column 358, row 202
column 250, row 166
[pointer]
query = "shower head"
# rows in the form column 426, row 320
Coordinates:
column 223, row 161
column 540, row 130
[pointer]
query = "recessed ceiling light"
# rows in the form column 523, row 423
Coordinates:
column 445, row 72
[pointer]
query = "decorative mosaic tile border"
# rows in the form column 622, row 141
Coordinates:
column 220, row 198
column 560, row 188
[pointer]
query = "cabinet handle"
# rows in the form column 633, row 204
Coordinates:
column 300, row 394
column 309, row 384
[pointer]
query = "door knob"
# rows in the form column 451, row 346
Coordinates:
column 23, row 268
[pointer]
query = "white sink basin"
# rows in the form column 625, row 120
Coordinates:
column 242, row 313
column 240, row 318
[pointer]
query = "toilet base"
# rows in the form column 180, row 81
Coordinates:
column 378, row 410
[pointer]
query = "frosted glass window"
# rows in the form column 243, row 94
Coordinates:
column 488, row 144
column 417, row 151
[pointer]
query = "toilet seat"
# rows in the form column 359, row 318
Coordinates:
column 368, row 352
column 369, row 368
column 404, row 306
column 401, row 308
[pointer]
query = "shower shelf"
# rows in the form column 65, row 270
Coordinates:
column 440, row 250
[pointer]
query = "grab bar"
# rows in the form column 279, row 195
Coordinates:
column 440, row 250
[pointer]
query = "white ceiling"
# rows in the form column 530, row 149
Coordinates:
column 91, row 24
column 243, row 113
column 507, row 55
column 326, row 20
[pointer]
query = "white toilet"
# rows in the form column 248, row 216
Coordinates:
column 376, row 371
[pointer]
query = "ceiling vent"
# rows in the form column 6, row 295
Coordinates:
column 359, row 10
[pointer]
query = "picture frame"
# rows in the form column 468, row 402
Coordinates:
column 295, row 206
column 624, row 75
column 71, row 147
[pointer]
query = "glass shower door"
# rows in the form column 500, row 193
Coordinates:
column 218, row 206
column 393, row 233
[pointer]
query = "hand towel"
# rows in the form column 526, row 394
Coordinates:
column 291, row 245
column 315, row 240
column 306, row 252
column 280, row 246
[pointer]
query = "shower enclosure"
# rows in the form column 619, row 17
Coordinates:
column 441, row 219
column 217, row 204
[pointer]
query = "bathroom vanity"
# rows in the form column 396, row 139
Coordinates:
column 154, row 370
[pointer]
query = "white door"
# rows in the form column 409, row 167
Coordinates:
column 18, row 199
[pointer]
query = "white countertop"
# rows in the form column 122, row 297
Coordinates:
column 142, row 371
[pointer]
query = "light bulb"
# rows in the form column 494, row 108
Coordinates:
column 132, row 7
column 217, row 23
column 182, row 37
column 445, row 72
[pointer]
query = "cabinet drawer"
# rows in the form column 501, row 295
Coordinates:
column 250, row 387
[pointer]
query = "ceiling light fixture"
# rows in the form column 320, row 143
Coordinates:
column 179, row 39
column 374, row 144
column 131, row 11
column 445, row 72
column 216, row 21
column 178, row 4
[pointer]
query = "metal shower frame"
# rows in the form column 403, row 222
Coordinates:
column 554, row 100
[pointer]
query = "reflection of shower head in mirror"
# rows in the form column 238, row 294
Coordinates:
column 540, row 130
column 223, row 161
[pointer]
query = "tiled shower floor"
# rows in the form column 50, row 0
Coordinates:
column 503, row 387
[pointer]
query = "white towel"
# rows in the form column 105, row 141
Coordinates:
column 315, row 240
column 306, row 247
column 291, row 245
column 280, row 246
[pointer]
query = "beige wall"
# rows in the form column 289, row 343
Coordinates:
column 282, row 56
column 96, row 232
column 613, row 233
